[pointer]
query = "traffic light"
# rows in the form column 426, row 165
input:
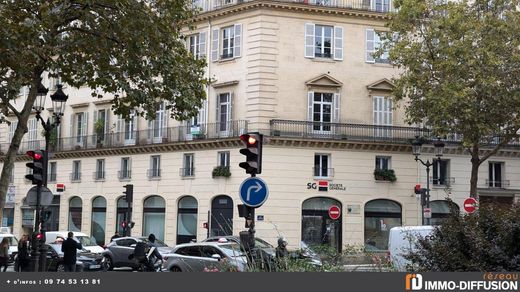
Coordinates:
column 417, row 189
column 123, row 224
column 40, row 236
column 421, row 191
column 253, row 152
column 37, row 166
column 129, row 192
column 131, row 224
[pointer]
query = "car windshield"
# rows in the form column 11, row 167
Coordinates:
column 260, row 243
column 157, row 242
column 12, row 240
column 232, row 249
column 87, row 241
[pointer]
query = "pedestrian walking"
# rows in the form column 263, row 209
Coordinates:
column 116, row 235
column 23, row 254
column 4, row 253
column 69, row 248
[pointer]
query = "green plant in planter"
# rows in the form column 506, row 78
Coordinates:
column 385, row 174
column 222, row 171
column 53, row 137
column 99, row 128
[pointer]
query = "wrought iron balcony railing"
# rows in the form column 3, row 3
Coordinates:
column 124, row 174
column 99, row 175
column 187, row 172
column 382, row 6
column 154, row 173
column 75, row 177
column 323, row 172
column 443, row 181
column 499, row 184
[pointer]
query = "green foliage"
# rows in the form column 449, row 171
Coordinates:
column 221, row 171
column 99, row 127
column 385, row 174
column 484, row 241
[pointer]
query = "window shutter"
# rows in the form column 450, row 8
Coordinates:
column 107, row 120
column 72, row 125
column 202, row 113
column 336, row 112
column 237, row 50
column 214, row 44
column 370, row 46
column 309, row 40
column 202, row 45
column 218, row 109
column 338, row 43
column 119, row 125
column 84, row 129
column 150, row 129
column 135, row 126
column 376, row 110
column 230, row 108
column 310, row 96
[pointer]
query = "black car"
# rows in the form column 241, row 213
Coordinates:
column 86, row 261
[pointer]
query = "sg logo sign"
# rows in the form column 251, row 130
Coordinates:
column 312, row 186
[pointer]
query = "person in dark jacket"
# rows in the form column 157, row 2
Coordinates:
column 23, row 254
column 69, row 247
column 151, row 244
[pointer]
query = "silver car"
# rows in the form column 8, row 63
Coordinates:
column 117, row 253
column 206, row 257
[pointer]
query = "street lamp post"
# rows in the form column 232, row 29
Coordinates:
column 38, row 256
column 439, row 152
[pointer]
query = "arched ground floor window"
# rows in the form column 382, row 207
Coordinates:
column 187, row 220
column 221, row 216
column 318, row 228
column 442, row 209
column 153, row 216
column 380, row 216
column 98, row 222
column 75, row 209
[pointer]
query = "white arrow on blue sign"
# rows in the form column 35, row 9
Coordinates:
column 253, row 192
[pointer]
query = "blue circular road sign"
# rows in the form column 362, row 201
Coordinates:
column 253, row 192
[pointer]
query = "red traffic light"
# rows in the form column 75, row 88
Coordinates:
column 36, row 155
column 417, row 189
column 248, row 139
column 123, row 224
column 39, row 236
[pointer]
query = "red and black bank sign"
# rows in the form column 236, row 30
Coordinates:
column 324, row 186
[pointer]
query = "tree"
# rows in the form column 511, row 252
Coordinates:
column 484, row 241
column 460, row 64
column 133, row 49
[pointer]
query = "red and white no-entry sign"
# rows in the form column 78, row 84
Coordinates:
column 470, row 205
column 334, row 212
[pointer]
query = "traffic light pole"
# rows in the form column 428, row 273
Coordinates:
column 35, row 252
column 428, row 164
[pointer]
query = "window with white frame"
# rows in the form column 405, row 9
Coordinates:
column 381, row 5
column 188, row 165
column 79, row 128
column 373, row 43
column 323, row 41
column 322, row 165
column 157, row 127
column 223, row 158
column 52, row 171
column 323, row 109
column 100, row 124
column 226, row 42
column 76, row 170
column 197, row 45
column 155, row 166
column 441, row 172
column 383, row 116
column 127, row 129
column 33, row 134
column 224, row 111
column 496, row 176
column 383, row 162
column 100, row 169
column 125, row 172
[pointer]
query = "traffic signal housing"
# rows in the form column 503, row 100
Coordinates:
column 422, row 192
column 253, row 152
column 37, row 166
column 123, row 225
column 129, row 193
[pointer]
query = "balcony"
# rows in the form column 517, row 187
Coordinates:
column 187, row 172
column 154, row 173
column 320, row 172
column 382, row 6
column 99, row 175
column 138, row 138
column 124, row 174
column 497, row 184
column 75, row 177
column 442, row 182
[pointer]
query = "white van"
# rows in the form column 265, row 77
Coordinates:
column 88, row 242
column 402, row 240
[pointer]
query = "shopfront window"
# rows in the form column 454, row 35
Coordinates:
column 153, row 217
column 75, row 209
column 442, row 209
column 98, row 223
column 380, row 216
column 122, row 209
column 318, row 228
column 187, row 220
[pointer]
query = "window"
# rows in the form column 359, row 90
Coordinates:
column 33, row 134
column 76, row 170
column 441, row 172
column 98, row 219
column 223, row 158
column 495, row 175
column 75, row 210
column 125, row 172
column 224, row 112
column 197, row 45
column 383, row 116
column 373, row 43
column 187, row 219
column 126, row 129
column 154, row 216
column 381, row 5
column 155, row 166
column 100, row 124
column 80, row 123
column 322, row 41
column 100, row 170
column 322, row 104
column 380, row 216
column 12, row 129
column 157, row 127
column 383, row 162
column 52, row 171
column 188, row 169
column 322, row 165
column 226, row 42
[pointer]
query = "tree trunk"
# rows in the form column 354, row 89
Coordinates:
column 20, row 131
column 475, row 163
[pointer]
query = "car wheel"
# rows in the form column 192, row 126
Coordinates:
column 109, row 266
column 60, row 268
column 175, row 269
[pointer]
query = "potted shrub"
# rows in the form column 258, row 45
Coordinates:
column 222, row 171
column 99, row 128
column 385, row 175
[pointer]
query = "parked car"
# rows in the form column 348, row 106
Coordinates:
column 118, row 251
column 402, row 240
column 88, row 242
column 86, row 261
column 13, row 245
column 206, row 257
column 259, row 243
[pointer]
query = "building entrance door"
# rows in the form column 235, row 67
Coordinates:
column 317, row 226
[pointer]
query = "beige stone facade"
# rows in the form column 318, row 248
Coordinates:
column 332, row 105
